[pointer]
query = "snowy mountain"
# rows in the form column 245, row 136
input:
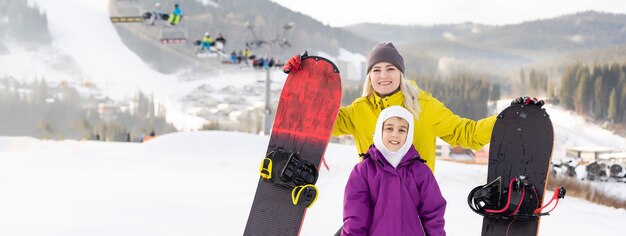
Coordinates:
column 589, row 37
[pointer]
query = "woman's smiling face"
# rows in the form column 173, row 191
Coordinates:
column 385, row 78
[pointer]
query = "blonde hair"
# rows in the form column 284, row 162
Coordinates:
column 410, row 94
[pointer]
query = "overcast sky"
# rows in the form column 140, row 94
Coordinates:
column 494, row 12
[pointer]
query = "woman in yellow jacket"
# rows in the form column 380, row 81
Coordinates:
column 386, row 86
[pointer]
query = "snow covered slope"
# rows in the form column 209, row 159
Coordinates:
column 202, row 183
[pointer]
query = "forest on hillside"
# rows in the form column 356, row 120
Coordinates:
column 24, row 23
column 596, row 91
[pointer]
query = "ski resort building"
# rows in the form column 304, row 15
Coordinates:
column 587, row 154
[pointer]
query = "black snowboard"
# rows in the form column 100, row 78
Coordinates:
column 521, row 144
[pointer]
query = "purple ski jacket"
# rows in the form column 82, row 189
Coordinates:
column 381, row 200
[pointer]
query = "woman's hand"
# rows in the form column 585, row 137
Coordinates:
column 294, row 63
column 525, row 100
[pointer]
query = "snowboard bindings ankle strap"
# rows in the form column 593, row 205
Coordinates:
column 519, row 201
column 305, row 195
column 286, row 169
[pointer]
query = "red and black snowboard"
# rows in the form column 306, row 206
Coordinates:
column 519, row 158
column 305, row 116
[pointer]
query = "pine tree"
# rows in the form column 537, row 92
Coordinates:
column 522, row 77
column 551, row 91
column 495, row 92
column 612, row 111
column 533, row 81
column 605, row 89
column 568, row 86
column 598, row 110
column 622, row 103
column 621, row 96
column 583, row 95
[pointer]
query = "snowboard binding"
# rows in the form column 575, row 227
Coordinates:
column 519, row 201
column 286, row 169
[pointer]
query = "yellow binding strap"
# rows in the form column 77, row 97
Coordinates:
column 295, row 194
column 266, row 168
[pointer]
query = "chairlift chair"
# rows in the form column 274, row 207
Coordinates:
column 129, row 11
column 207, row 54
column 173, row 35
column 202, row 53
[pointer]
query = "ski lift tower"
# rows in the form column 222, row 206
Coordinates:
column 281, row 41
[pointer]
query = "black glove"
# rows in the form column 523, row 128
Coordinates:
column 294, row 63
column 525, row 100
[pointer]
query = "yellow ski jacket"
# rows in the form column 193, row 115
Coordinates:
column 207, row 39
column 435, row 120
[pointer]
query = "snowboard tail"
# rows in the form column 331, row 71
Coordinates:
column 305, row 116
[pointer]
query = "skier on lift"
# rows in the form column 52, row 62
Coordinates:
column 177, row 15
column 220, row 41
column 156, row 14
column 207, row 41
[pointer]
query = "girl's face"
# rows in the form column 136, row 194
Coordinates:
column 395, row 130
column 385, row 78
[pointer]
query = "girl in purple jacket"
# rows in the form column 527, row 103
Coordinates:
column 392, row 192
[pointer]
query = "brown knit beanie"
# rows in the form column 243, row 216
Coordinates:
column 385, row 52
